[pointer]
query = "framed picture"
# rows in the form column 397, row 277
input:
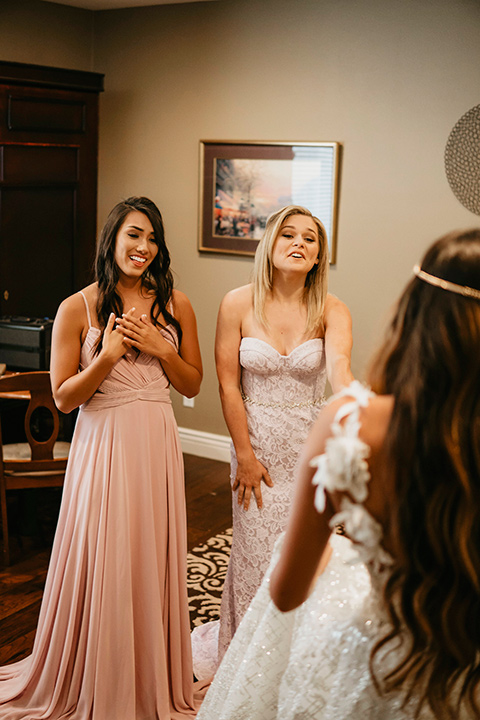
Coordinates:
column 242, row 183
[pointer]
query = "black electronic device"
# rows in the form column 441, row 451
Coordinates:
column 25, row 342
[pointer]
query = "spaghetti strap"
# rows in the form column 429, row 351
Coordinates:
column 86, row 308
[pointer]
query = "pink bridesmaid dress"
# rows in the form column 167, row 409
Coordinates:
column 113, row 639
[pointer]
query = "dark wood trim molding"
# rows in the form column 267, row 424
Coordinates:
column 13, row 73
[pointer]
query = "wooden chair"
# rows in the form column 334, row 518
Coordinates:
column 42, row 461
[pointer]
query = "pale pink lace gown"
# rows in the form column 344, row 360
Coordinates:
column 113, row 640
column 283, row 395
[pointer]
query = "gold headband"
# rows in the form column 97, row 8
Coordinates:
column 446, row 284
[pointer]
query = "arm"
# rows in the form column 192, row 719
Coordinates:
column 71, row 388
column 338, row 343
column 250, row 472
column 183, row 368
column 307, row 534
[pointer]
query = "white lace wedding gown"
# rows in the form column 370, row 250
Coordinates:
column 313, row 662
column 283, row 395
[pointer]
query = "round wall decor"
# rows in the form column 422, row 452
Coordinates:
column 462, row 160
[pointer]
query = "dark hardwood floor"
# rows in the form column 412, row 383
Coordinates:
column 209, row 498
column 21, row 585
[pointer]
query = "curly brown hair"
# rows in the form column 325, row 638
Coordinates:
column 430, row 363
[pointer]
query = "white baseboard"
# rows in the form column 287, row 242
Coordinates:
column 204, row 444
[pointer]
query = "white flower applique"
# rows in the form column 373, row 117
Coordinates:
column 365, row 532
column 343, row 465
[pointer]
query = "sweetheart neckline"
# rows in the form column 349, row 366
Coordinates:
column 250, row 337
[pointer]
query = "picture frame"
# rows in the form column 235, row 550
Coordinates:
column 243, row 182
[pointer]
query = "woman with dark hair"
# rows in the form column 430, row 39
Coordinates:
column 397, row 636
column 278, row 339
column 113, row 640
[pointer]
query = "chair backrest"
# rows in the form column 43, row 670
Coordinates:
column 41, row 430
column 41, row 408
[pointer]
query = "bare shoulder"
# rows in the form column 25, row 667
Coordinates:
column 337, row 321
column 182, row 309
column 374, row 415
column 334, row 305
column 240, row 297
column 237, row 302
column 72, row 309
column 180, row 300
column 91, row 293
column 375, row 419
column 72, row 306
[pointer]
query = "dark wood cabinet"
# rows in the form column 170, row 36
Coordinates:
column 48, row 185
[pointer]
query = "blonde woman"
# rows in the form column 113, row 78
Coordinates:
column 278, row 339
column 390, row 631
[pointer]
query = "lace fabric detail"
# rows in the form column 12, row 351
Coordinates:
column 294, row 382
column 314, row 662
column 343, row 467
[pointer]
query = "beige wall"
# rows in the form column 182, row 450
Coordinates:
column 46, row 34
column 388, row 79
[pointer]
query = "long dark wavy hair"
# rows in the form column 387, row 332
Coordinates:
column 430, row 363
column 157, row 278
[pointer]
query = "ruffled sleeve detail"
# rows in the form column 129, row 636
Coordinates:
column 343, row 467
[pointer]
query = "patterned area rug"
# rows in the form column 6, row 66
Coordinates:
column 206, row 570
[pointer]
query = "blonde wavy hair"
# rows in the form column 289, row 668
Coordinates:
column 316, row 282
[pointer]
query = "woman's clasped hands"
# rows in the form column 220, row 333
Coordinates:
column 113, row 345
column 141, row 334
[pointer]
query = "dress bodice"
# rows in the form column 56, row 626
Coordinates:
column 134, row 376
column 271, row 379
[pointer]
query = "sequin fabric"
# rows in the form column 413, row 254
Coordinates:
column 313, row 662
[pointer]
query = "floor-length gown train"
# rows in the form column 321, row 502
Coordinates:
column 313, row 663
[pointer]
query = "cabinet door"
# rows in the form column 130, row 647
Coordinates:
column 36, row 249
column 48, row 180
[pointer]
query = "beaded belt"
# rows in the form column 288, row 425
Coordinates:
column 284, row 406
